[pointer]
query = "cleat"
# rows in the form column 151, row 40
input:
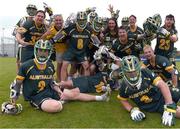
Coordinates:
column 107, row 94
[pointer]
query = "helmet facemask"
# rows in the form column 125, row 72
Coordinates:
column 150, row 26
column 92, row 15
column 125, row 21
column 101, row 60
column 81, row 20
column 42, row 51
column 131, row 71
column 10, row 109
column 97, row 24
column 158, row 19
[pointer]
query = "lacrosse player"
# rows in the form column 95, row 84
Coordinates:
column 148, row 91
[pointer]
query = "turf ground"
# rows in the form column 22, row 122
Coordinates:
column 74, row 115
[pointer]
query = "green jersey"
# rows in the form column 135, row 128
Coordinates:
column 121, row 49
column 164, row 46
column 148, row 97
column 36, row 82
column 78, row 41
column 161, row 67
column 31, row 32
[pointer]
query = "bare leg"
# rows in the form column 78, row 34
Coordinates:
column 51, row 106
column 73, row 70
column 17, row 65
column 85, row 65
column 64, row 70
column 178, row 112
column 66, row 84
column 74, row 94
column 92, row 69
column 58, row 71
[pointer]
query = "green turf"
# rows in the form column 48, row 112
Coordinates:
column 74, row 115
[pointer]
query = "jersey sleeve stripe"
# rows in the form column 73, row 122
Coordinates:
column 169, row 68
column 121, row 98
column 156, row 80
column 18, row 77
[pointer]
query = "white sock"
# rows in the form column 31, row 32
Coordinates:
column 98, row 98
column 69, row 78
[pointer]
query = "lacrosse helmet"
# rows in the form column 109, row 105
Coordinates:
column 92, row 15
column 100, row 57
column 158, row 19
column 81, row 20
column 107, row 42
column 131, row 71
column 42, row 51
column 105, row 22
column 31, row 10
column 97, row 24
column 9, row 108
column 150, row 26
column 125, row 21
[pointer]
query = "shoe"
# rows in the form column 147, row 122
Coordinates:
column 108, row 89
column 107, row 94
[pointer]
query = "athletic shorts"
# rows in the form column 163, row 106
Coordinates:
column 38, row 99
column 88, row 84
column 73, row 56
column 59, row 56
column 26, row 54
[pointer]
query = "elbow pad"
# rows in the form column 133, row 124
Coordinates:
column 15, row 90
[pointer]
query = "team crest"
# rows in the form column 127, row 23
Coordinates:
column 164, row 64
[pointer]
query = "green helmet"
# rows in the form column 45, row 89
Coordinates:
column 81, row 20
column 9, row 108
column 150, row 26
column 42, row 51
column 158, row 19
column 131, row 71
column 105, row 22
column 97, row 24
column 125, row 21
column 92, row 15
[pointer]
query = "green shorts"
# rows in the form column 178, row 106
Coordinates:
column 26, row 54
column 87, row 84
column 70, row 55
column 19, row 52
column 38, row 99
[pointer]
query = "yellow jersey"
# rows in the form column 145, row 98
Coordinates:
column 59, row 45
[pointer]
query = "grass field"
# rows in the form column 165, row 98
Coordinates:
column 74, row 115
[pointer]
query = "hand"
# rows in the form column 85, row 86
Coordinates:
column 138, row 46
column 111, row 10
column 173, row 38
column 164, row 33
column 141, row 36
column 168, row 117
column 48, row 9
column 97, row 56
column 136, row 114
